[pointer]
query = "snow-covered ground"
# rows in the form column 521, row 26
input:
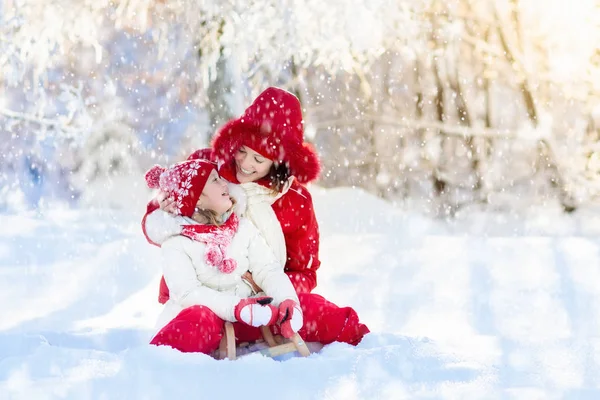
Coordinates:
column 489, row 307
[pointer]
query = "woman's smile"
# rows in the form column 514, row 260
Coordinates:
column 244, row 171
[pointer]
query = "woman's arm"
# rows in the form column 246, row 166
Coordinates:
column 159, row 226
column 184, row 286
column 301, row 232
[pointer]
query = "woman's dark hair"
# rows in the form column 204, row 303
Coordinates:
column 278, row 176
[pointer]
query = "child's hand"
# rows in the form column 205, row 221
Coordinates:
column 256, row 311
column 290, row 318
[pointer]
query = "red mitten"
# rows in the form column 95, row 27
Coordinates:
column 256, row 311
column 290, row 318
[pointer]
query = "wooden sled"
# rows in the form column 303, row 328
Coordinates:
column 277, row 345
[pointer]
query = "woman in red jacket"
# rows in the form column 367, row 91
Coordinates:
column 263, row 152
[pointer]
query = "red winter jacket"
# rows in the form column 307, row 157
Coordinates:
column 296, row 214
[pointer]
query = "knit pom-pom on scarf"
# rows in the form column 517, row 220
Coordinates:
column 217, row 240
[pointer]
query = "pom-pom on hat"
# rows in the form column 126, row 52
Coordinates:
column 183, row 182
column 273, row 127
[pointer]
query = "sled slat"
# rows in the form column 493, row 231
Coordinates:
column 266, row 332
column 278, row 350
column 300, row 345
column 230, row 337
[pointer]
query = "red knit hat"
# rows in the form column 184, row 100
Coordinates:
column 183, row 182
column 271, row 126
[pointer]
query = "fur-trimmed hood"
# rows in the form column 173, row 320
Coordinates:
column 273, row 127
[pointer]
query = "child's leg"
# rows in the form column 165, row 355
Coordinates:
column 325, row 322
column 194, row 330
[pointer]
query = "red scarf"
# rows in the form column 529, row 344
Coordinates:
column 217, row 239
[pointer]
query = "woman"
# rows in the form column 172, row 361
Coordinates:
column 263, row 151
column 204, row 265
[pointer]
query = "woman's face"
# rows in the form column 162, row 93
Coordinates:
column 250, row 166
column 215, row 195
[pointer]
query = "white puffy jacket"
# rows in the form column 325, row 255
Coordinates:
column 193, row 282
column 253, row 201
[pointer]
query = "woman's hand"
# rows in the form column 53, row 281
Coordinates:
column 166, row 203
column 247, row 276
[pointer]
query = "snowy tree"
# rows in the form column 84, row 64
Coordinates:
column 463, row 116
column 443, row 104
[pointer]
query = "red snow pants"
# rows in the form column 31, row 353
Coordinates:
column 198, row 329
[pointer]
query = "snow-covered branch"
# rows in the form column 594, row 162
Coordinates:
column 403, row 122
column 49, row 123
column 458, row 86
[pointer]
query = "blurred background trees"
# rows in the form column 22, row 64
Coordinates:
column 435, row 105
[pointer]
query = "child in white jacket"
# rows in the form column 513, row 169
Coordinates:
column 203, row 266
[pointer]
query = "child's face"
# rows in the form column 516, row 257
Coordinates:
column 215, row 195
